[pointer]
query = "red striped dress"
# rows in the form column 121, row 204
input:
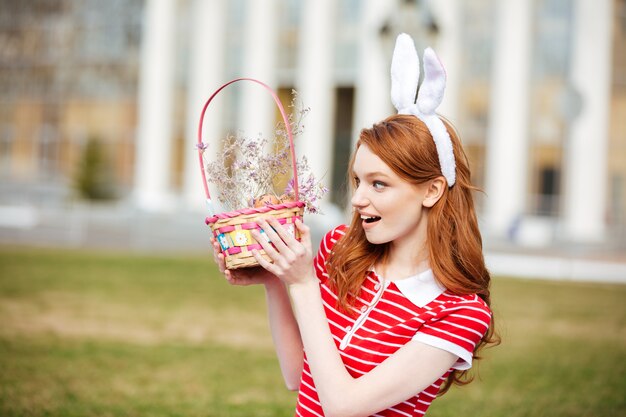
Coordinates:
column 387, row 316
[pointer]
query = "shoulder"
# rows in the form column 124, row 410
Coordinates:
column 468, row 311
column 457, row 325
column 466, row 305
column 331, row 238
column 326, row 247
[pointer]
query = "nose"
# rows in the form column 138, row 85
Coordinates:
column 358, row 199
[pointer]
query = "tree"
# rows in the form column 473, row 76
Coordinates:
column 94, row 180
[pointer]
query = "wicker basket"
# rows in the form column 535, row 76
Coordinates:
column 232, row 229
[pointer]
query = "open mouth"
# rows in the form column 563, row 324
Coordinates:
column 370, row 219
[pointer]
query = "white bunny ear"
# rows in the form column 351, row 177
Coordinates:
column 404, row 79
column 405, row 73
column 431, row 91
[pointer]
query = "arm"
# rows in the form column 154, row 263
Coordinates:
column 283, row 326
column 409, row 371
column 285, row 333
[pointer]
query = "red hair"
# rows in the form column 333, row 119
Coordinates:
column 454, row 242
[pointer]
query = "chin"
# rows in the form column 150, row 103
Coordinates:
column 376, row 240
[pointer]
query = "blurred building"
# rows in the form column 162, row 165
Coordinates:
column 537, row 90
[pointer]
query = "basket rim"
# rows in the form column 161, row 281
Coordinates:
column 253, row 210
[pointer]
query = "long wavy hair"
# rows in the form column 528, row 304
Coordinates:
column 454, row 242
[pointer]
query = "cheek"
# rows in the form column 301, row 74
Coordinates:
column 405, row 210
column 397, row 200
column 393, row 210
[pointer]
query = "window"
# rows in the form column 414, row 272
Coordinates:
column 344, row 108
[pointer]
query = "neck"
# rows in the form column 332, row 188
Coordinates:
column 405, row 261
column 408, row 255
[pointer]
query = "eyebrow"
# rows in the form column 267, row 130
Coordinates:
column 372, row 174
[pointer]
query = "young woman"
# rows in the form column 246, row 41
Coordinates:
column 394, row 307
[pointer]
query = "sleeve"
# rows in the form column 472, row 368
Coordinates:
column 326, row 246
column 457, row 329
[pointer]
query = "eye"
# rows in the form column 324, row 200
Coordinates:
column 357, row 181
column 379, row 185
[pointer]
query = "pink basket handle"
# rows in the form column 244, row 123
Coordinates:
column 201, row 146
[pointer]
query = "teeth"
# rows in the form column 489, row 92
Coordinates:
column 369, row 219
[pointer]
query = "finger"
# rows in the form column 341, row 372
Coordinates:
column 218, row 256
column 216, row 248
column 221, row 262
column 287, row 237
column 272, row 234
column 296, row 248
column 289, row 248
column 234, row 277
column 272, row 230
column 214, row 255
column 267, row 246
column 305, row 235
column 264, row 263
column 228, row 275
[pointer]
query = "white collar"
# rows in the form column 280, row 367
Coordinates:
column 420, row 289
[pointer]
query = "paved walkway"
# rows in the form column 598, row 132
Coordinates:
column 118, row 227
column 555, row 267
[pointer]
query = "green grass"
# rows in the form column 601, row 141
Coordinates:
column 92, row 334
column 563, row 353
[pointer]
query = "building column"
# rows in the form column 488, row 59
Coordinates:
column 372, row 96
column 314, row 82
column 256, row 107
column 206, row 73
column 508, row 132
column 585, row 193
column 154, row 136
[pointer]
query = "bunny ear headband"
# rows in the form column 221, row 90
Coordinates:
column 405, row 75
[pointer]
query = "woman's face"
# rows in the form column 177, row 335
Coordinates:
column 391, row 208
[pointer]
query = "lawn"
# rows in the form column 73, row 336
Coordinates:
column 94, row 334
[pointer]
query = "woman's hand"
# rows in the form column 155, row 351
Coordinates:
column 292, row 259
column 243, row 276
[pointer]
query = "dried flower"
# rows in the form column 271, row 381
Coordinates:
column 201, row 146
column 244, row 174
